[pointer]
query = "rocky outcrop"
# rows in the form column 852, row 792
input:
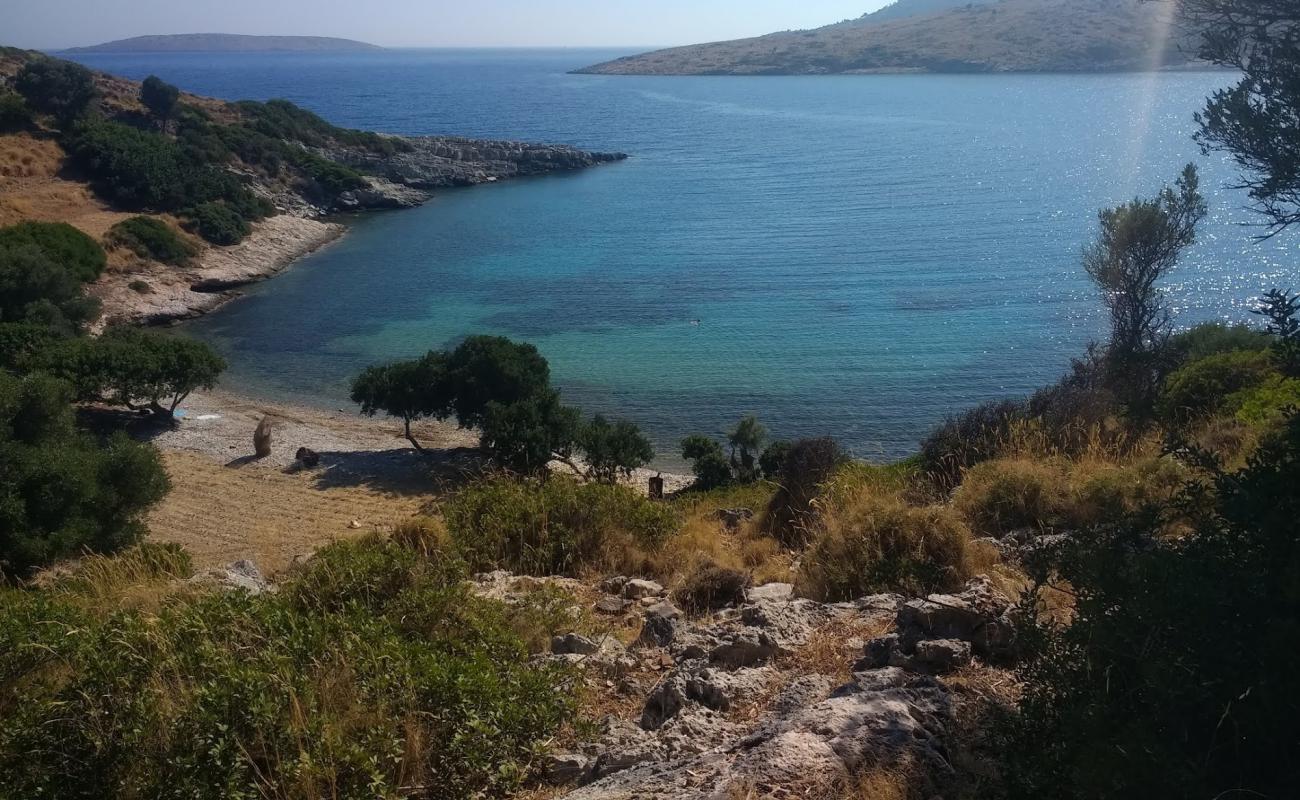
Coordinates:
column 439, row 162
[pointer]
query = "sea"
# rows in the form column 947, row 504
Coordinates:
column 853, row 256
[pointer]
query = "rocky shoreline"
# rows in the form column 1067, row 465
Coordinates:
column 161, row 294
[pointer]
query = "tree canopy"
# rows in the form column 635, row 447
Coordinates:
column 54, row 86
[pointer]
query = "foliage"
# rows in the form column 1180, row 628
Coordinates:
column 527, row 434
column 709, row 586
column 554, row 527
column 62, row 491
column 1200, row 388
column 23, row 343
column 281, row 119
column 15, row 116
column 708, row 463
column 1265, row 405
column 773, row 458
column 791, row 516
column 150, row 237
column 1254, row 120
column 159, row 97
column 871, row 544
column 218, row 223
column 1176, row 675
column 1138, row 244
column 613, row 448
column 745, row 440
column 372, row 674
column 37, row 289
column 53, row 86
column 137, row 368
column 964, row 440
column 1211, row 339
column 503, row 389
column 998, row 497
column 61, row 243
column 146, row 170
column 1280, row 308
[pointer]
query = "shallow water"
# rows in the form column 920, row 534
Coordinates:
column 856, row 256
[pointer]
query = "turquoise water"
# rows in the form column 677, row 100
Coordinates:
column 855, row 256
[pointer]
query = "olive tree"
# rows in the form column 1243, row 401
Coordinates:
column 160, row 98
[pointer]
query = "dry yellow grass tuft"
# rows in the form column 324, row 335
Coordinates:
column 222, row 514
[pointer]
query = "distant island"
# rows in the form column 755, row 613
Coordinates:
column 228, row 43
column 944, row 36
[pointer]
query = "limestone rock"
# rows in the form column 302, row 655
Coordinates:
column 572, row 643
column 744, row 648
column 638, row 588
column 562, row 769
column 611, row 605
column 770, row 591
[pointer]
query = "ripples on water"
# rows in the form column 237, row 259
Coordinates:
column 864, row 254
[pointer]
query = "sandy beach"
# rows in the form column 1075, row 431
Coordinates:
column 226, row 504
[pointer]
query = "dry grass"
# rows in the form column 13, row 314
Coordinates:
column 222, row 514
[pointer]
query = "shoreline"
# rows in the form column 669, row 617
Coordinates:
column 179, row 293
column 218, row 425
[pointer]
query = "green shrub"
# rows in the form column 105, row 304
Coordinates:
column 613, row 448
column 53, row 86
column 23, row 344
column 1175, row 676
column 281, row 119
column 61, row 243
column 359, row 689
column 14, row 114
column 870, row 544
column 150, row 237
column 159, row 97
column 1265, row 405
column 218, row 223
column 556, row 527
column 708, row 463
column 36, row 289
column 63, row 491
column 1001, row 496
column 1106, row 494
column 1212, row 339
column 1200, row 388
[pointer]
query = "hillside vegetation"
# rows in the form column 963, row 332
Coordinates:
column 1005, row 36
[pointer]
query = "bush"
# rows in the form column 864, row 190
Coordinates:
column 1002, row 496
column 557, row 527
column 15, row 116
column 23, row 344
column 870, row 544
column 967, row 439
column 1176, row 675
column 281, row 119
column 1200, row 388
column 159, row 97
column 349, row 689
column 62, row 491
column 526, row 435
column 709, row 465
column 613, row 448
column 773, row 459
column 1212, row 339
column 53, row 86
column 39, row 290
column 1265, row 405
column 63, row 244
column 150, row 237
column 218, row 223
column 791, row 516
column 1108, row 494
column 708, row 586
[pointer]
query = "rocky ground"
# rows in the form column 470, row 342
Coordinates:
column 777, row 696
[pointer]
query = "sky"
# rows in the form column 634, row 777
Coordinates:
column 55, row 24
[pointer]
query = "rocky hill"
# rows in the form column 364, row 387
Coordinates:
column 1006, row 36
column 901, row 9
column 227, row 43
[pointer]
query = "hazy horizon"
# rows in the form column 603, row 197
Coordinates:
column 61, row 24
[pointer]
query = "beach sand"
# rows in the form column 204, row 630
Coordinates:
column 226, row 504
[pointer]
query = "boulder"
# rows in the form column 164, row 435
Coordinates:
column 659, row 627
column 637, row 588
column 733, row 518
column 940, row 656
column 562, row 769
column 572, row 643
column 307, row 457
column 770, row 591
column 611, row 605
column 744, row 648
